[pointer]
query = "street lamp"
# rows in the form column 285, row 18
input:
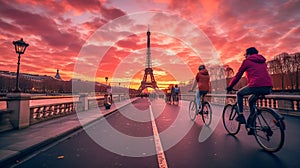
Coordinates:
column 20, row 47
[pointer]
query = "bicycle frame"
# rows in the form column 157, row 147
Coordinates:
column 202, row 101
column 277, row 116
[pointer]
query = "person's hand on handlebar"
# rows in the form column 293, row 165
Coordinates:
column 191, row 90
column 229, row 88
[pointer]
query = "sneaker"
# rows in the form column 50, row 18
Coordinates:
column 241, row 119
column 251, row 131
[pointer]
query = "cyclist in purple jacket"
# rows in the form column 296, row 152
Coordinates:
column 259, row 81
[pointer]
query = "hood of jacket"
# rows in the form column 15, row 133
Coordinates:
column 257, row 58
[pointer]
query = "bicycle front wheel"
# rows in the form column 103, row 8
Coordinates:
column 268, row 130
column 206, row 113
column 229, row 122
column 193, row 110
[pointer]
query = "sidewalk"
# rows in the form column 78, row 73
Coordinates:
column 18, row 143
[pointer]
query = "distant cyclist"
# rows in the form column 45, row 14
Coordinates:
column 175, row 93
column 168, row 91
column 202, row 81
column 259, row 81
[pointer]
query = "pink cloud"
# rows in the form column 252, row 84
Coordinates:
column 82, row 5
column 54, row 40
column 57, row 31
column 240, row 24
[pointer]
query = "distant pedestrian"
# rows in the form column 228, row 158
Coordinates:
column 175, row 94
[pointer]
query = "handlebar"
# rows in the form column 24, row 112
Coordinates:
column 191, row 91
column 232, row 91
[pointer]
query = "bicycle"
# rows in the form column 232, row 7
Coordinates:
column 264, row 124
column 205, row 110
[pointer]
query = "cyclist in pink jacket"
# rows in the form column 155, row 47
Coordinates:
column 259, row 81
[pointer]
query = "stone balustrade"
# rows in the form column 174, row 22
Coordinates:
column 284, row 104
column 19, row 114
column 46, row 112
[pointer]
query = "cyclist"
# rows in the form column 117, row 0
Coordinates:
column 259, row 81
column 202, row 80
column 175, row 93
column 168, row 94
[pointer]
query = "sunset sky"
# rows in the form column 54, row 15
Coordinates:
column 91, row 39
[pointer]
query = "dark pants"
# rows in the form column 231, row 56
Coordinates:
column 254, row 91
column 175, row 96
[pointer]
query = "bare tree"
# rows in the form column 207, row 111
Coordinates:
column 216, row 72
column 229, row 73
column 279, row 63
column 273, row 67
column 290, row 69
column 295, row 67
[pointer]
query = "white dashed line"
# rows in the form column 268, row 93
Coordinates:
column 162, row 162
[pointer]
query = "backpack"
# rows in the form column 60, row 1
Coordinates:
column 176, row 90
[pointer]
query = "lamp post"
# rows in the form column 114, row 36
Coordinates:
column 20, row 47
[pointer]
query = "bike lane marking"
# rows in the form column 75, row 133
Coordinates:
column 161, row 158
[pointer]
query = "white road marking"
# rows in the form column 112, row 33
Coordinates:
column 162, row 162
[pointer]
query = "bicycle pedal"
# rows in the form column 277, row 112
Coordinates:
column 269, row 132
column 251, row 132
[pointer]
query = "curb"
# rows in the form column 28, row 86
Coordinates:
column 20, row 154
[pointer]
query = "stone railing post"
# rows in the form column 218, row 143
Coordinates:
column 83, row 102
column 18, row 103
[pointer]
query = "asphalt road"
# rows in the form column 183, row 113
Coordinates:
column 129, row 138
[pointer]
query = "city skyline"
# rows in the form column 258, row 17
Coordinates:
column 57, row 32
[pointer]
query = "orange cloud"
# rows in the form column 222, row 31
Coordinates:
column 210, row 7
column 56, row 33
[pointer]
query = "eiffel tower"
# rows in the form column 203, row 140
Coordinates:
column 148, row 79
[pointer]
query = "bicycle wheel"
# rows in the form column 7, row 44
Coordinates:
column 192, row 110
column 228, row 116
column 206, row 113
column 268, row 130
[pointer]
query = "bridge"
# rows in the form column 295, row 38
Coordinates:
column 140, row 132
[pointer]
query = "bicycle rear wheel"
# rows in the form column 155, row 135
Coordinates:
column 229, row 122
column 268, row 130
column 206, row 113
column 193, row 110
